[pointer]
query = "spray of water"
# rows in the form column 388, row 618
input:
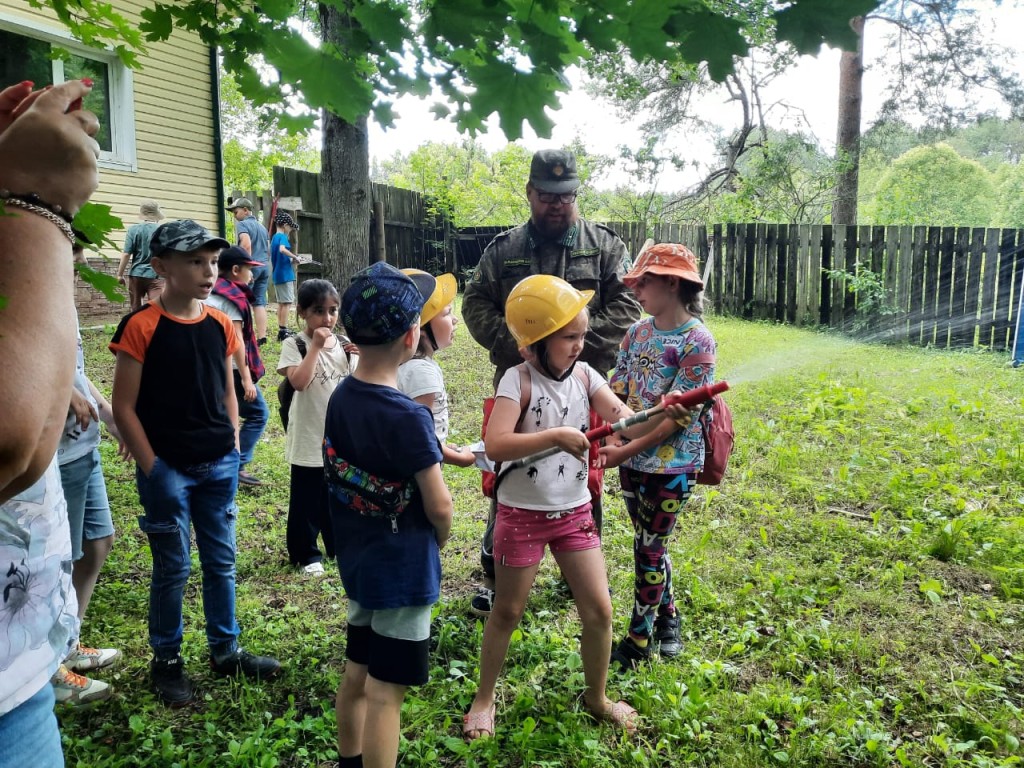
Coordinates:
column 815, row 352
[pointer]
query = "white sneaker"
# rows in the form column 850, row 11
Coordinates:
column 75, row 690
column 84, row 658
column 313, row 569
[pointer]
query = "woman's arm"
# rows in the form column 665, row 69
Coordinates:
column 46, row 148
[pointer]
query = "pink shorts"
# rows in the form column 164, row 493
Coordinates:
column 520, row 535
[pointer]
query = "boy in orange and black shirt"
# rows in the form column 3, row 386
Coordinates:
column 176, row 409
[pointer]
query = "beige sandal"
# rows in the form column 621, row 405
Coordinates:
column 481, row 723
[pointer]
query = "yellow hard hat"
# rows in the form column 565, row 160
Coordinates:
column 541, row 304
column 445, row 288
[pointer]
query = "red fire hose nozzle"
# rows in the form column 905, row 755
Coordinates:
column 689, row 399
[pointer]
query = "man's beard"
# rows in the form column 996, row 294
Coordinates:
column 554, row 229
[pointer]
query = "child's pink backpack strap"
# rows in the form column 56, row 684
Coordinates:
column 702, row 358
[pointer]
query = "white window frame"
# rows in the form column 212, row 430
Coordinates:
column 122, row 155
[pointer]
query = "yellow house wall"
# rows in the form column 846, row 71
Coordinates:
column 174, row 129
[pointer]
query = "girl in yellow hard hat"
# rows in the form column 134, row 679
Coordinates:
column 540, row 404
column 421, row 378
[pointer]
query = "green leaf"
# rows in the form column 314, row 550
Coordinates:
column 573, row 661
column 384, row 22
column 102, row 282
column 157, row 23
column 515, row 96
column 809, row 24
column 96, row 222
column 278, row 10
column 713, row 38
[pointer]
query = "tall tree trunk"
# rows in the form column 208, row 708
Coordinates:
column 344, row 176
column 851, row 82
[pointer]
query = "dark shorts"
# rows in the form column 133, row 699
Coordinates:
column 393, row 644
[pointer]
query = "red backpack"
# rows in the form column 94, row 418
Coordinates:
column 719, row 435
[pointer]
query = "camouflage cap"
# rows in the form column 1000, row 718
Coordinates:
column 381, row 303
column 554, row 170
column 184, row 236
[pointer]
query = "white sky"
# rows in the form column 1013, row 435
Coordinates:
column 811, row 87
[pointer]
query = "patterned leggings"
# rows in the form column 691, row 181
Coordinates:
column 653, row 502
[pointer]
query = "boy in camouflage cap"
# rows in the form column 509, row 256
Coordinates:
column 390, row 566
column 178, row 415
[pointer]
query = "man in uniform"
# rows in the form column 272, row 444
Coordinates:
column 555, row 241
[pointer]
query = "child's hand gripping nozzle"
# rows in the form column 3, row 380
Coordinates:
column 690, row 399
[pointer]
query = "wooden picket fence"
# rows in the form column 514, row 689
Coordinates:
column 947, row 287
column 413, row 235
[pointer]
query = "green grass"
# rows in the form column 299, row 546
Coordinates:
column 851, row 593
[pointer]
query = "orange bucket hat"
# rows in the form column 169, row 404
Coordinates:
column 669, row 259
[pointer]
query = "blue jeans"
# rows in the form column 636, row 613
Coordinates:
column 29, row 735
column 86, row 493
column 260, row 279
column 252, row 418
column 202, row 495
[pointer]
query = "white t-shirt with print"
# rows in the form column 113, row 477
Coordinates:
column 217, row 301
column 560, row 481
column 422, row 376
column 303, row 443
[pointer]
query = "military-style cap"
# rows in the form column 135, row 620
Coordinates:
column 184, row 236
column 554, row 170
column 240, row 202
column 382, row 303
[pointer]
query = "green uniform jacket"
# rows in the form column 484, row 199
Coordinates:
column 596, row 260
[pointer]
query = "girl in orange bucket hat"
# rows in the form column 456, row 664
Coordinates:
column 669, row 350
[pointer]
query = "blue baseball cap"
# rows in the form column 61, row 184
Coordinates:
column 381, row 303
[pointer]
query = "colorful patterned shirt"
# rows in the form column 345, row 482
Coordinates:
column 649, row 366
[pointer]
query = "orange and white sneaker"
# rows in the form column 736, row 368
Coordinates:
column 75, row 690
column 84, row 658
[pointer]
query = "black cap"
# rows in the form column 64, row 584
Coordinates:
column 554, row 170
column 236, row 255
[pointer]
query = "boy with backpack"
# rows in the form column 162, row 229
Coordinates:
column 232, row 295
column 391, row 513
